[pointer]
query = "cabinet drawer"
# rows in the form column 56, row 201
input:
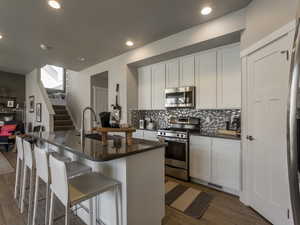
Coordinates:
column 150, row 135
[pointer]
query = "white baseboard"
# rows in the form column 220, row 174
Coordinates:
column 224, row 189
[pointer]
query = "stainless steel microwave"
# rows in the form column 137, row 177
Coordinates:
column 183, row 97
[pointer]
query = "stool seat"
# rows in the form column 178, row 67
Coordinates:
column 42, row 172
column 75, row 169
column 89, row 185
column 78, row 189
column 59, row 156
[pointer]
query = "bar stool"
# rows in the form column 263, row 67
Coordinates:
column 19, row 167
column 42, row 172
column 78, row 189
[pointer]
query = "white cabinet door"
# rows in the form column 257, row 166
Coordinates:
column 187, row 71
column 172, row 73
column 226, row 163
column 206, row 80
column 150, row 135
column 200, row 158
column 229, row 77
column 158, row 86
column 144, row 87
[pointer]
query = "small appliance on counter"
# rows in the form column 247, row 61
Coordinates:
column 236, row 123
column 150, row 124
column 105, row 119
column 142, row 124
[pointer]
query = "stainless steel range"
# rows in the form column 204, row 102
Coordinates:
column 177, row 138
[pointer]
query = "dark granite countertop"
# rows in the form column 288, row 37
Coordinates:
column 93, row 149
column 147, row 129
column 231, row 137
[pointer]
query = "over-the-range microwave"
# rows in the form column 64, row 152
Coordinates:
column 182, row 97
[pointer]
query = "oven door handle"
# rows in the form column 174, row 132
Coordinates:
column 175, row 140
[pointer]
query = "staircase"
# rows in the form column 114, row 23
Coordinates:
column 62, row 119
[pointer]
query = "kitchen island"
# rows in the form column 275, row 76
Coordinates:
column 139, row 167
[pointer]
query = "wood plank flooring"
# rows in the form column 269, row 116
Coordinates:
column 224, row 209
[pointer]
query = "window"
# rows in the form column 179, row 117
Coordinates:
column 53, row 77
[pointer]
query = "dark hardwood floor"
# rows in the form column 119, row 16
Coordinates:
column 224, row 209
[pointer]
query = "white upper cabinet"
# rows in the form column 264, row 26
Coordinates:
column 172, row 73
column 187, row 71
column 158, row 86
column 226, row 163
column 200, row 158
column 216, row 73
column 206, row 80
column 229, row 77
column 144, row 76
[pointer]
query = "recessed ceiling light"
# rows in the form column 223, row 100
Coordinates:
column 206, row 10
column 129, row 43
column 54, row 4
column 44, row 47
column 1, row 36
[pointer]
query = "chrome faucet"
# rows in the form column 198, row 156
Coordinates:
column 82, row 133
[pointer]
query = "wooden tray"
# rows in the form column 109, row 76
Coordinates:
column 104, row 130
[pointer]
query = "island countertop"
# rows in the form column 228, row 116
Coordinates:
column 93, row 149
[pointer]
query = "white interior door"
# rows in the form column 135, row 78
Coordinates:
column 100, row 99
column 268, row 77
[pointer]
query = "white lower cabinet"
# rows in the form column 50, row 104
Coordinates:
column 145, row 134
column 200, row 157
column 226, row 163
column 216, row 161
column 138, row 134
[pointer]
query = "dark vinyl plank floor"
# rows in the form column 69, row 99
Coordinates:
column 224, row 209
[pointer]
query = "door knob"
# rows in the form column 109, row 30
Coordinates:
column 250, row 138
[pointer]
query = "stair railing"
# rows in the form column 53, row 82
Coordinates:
column 47, row 102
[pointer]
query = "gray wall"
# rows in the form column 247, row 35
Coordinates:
column 264, row 17
column 15, row 85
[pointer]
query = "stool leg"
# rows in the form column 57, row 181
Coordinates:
column 47, row 202
column 95, row 209
column 119, row 190
column 51, row 209
column 117, row 204
column 91, row 212
column 36, row 195
column 23, row 188
column 17, row 182
column 20, row 189
column 67, row 219
column 31, row 189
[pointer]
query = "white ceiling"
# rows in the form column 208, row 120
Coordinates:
column 93, row 29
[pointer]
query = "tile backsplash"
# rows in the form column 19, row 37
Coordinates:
column 210, row 120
